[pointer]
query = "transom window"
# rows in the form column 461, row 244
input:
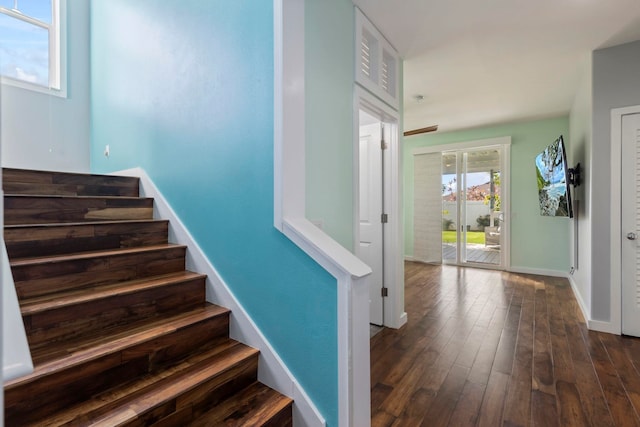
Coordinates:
column 30, row 43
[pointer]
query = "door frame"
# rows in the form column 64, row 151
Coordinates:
column 394, row 315
column 615, row 309
column 504, row 144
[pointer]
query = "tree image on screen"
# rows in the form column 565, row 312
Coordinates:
column 552, row 182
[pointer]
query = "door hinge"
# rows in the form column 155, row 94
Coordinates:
column 385, row 292
column 384, row 218
column 383, row 145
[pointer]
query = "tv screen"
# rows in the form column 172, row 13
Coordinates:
column 554, row 192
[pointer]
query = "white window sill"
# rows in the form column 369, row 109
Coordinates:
column 8, row 81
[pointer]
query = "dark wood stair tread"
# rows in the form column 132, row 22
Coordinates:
column 52, row 225
column 36, row 197
column 29, row 306
column 34, row 240
column 142, row 395
column 37, row 209
column 26, row 181
column 52, row 259
column 256, row 405
column 73, row 353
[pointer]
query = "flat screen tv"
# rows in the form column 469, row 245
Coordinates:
column 554, row 191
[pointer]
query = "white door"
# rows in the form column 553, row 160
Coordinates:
column 371, row 244
column 631, row 225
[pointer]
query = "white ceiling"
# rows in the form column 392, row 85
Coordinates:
column 481, row 62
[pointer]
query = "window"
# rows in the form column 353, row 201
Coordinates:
column 30, row 47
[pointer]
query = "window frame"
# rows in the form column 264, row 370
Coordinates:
column 57, row 50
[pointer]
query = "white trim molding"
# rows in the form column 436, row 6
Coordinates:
column 272, row 371
column 394, row 314
column 615, row 309
column 289, row 216
column 16, row 357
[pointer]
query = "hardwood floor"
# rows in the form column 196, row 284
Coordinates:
column 489, row 348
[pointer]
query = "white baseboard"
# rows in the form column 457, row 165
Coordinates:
column 537, row 271
column 578, row 296
column 602, row 326
column 594, row 325
column 271, row 369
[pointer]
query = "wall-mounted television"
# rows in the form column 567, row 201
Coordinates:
column 554, row 191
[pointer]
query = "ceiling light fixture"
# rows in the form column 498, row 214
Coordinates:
column 419, row 98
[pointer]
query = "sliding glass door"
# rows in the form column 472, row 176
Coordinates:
column 471, row 206
column 460, row 207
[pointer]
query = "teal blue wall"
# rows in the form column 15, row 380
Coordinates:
column 329, row 62
column 184, row 89
column 537, row 242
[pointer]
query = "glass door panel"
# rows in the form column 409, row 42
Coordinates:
column 481, row 200
column 471, row 216
column 449, row 207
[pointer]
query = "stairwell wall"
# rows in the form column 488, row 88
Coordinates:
column 184, row 89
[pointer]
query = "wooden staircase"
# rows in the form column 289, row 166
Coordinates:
column 119, row 332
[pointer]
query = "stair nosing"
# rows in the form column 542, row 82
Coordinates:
column 85, row 223
column 187, row 383
column 33, row 306
column 136, row 336
column 214, row 354
column 244, row 395
column 62, row 196
column 105, row 253
column 26, row 170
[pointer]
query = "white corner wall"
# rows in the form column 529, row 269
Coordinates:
column 615, row 85
column 42, row 131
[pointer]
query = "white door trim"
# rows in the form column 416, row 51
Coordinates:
column 615, row 310
column 394, row 314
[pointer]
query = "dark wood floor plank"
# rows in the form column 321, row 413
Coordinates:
column 618, row 401
column 518, row 402
column 468, row 406
column 542, row 363
column 441, row 409
column 543, row 409
column 495, row 348
column 627, row 372
column 493, row 402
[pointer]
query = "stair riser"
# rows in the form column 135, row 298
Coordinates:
column 49, row 210
column 34, row 400
column 17, row 181
column 91, row 317
column 188, row 406
column 283, row 419
column 55, row 240
column 43, row 279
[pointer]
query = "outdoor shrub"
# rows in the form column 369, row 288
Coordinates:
column 446, row 224
column 483, row 221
